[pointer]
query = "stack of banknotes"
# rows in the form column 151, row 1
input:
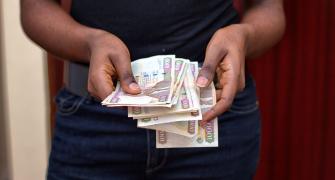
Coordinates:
column 170, row 102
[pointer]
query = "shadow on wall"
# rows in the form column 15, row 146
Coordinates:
column 4, row 166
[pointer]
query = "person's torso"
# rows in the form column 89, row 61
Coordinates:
column 152, row 27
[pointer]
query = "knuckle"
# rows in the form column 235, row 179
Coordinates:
column 218, row 50
column 224, row 50
column 127, row 77
column 208, row 69
column 116, row 55
column 216, row 47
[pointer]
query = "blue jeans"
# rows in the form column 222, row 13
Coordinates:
column 97, row 143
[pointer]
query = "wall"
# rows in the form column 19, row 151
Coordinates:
column 4, row 163
column 25, row 102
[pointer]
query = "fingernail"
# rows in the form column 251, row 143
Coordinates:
column 202, row 81
column 134, row 86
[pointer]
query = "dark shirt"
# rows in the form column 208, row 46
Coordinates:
column 153, row 27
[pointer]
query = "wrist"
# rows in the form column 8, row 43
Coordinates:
column 249, row 33
column 91, row 38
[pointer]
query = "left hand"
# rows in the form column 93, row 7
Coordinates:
column 225, row 55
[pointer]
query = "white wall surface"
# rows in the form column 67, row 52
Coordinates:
column 24, row 83
column 4, row 163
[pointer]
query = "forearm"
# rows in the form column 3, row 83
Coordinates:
column 265, row 21
column 54, row 30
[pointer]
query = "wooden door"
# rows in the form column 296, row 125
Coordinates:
column 55, row 73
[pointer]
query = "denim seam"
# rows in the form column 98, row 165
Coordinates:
column 74, row 108
column 61, row 102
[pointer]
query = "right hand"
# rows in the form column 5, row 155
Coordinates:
column 109, row 60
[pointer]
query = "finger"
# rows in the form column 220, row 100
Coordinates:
column 101, row 90
column 214, row 55
column 226, row 99
column 127, row 80
column 100, row 83
column 230, row 81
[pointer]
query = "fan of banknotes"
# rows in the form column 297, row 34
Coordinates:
column 170, row 102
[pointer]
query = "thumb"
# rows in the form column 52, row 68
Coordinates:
column 128, row 83
column 206, row 75
column 207, row 72
column 127, row 80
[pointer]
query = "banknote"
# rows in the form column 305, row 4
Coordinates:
column 191, row 89
column 155, row 76
column 186, row 103
column 168, row 119
column 183, row 128
column 169, row 102
column 192, row 100
column 181, row 66
column 183, row 105
column 207, row 135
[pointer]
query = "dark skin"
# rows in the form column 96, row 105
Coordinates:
column 262, row 26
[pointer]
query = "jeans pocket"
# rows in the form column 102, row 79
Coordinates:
column 68, row 103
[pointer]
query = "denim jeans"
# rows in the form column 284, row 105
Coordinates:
column 98, row 143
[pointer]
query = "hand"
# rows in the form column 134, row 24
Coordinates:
column 110, row 59
column 225, row 55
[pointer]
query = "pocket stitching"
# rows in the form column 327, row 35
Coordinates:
column 72, row 109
